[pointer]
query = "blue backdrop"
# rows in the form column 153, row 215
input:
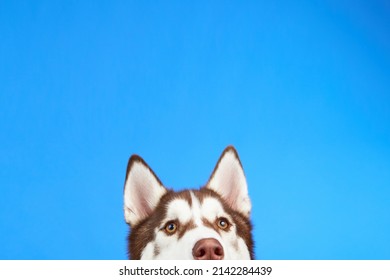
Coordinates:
column 301, row 88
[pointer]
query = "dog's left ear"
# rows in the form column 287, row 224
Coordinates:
column 228, row 180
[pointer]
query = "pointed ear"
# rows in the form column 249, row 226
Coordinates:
column 142, row 191
column 228, row 180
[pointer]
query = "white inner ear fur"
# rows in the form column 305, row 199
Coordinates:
column 142, row 193
column 229, row 181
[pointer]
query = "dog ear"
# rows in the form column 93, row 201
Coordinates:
column 228, row 180
column 142, row 191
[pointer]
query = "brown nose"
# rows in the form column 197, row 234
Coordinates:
column 208, row 249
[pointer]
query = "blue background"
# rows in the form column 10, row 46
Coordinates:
column 300, row 88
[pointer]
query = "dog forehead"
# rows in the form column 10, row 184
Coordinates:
column 191, row 205
column 179, row 208
column 211, row 208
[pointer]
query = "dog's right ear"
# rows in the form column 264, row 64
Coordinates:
column 142, row 191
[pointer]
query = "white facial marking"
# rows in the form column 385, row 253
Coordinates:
column 179, row 209
column 212, row 209
column 148, row 252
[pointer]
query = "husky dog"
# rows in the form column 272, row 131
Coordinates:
column 211, row 223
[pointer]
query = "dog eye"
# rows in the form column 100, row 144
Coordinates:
column 170, row 227
column 223, row 223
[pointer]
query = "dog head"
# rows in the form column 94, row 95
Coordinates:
column 209, row 223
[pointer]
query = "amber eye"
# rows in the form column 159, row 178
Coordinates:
column 223, row 223
column 170, row 227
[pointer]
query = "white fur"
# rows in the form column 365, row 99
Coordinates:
column 178, row 209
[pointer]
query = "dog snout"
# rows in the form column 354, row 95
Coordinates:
column 208, row 249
